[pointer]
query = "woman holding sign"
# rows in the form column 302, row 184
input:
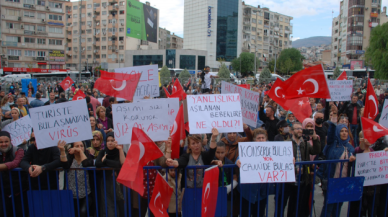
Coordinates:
column 112, row 156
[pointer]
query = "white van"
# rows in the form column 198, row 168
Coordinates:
column 15, row 77
column 273, row 78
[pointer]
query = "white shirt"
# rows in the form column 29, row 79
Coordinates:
column 208, row 81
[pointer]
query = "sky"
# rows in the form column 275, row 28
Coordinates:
column 310, row 17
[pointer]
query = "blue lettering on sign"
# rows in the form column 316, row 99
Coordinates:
column 209, row 21
column 128, row 30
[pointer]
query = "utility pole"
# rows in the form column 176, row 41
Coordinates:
column 274, row 68
column 80, row 48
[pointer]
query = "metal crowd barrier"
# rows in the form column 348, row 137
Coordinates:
column 59, row 201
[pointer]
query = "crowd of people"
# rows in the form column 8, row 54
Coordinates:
column 333, row 132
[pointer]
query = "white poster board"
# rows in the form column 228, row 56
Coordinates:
column 266, row 162
column 149, row 80
column 149, row 115
column 68, row 121
column 249, row 102
column 20, row 130
column 221, row 111
column 173, row 108
column 384, row 115
column 340, row 90
column 373, row 166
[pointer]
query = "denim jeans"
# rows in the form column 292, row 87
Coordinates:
column 353, row 129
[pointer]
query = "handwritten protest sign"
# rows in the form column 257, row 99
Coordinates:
column 266, row 162
column 20, row 130
column 173, row 108
column 384, row 115
column 149, row 115
column 149, row 80
column 67, row 121
column 373, row 166
column 249, row 101
column 222, row 111
column 340, row 90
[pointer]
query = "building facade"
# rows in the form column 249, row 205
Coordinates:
column 356, row 20
column 33, row 33
column 213, row 26
column 265, row 32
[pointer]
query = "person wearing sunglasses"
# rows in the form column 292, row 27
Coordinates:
column 41, row 162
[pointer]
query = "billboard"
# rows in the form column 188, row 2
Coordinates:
column 142, row 21
column 356, row 64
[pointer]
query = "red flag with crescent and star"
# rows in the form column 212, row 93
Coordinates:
column 210, row 192
column 372, row 131
column 178, row 133
column 277, row 94
column 79, row 95
column 371, row 109
column 131, row 173
column 177, row 91
column 66, row 83
column 160, row 197
column 300, row 107
column 118, row 84
column 310, row 82
column 342, row 76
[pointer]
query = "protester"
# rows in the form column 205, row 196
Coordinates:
column 51, row 99
column 352, row 110
column 97, row 144
column 320, row 129
column 104, row 122
column 6, row 107
column 284, row 131
column 109, row 112
column 24, row 111
column 269, row 120
column 174, row 181
column 95, row 103
column 15, row 114
column 37, row 102
column 93, row 125
column 62, row 98
column 290, row 118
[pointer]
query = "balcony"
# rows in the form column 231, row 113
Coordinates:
column 247, row 31
column 113, row 7
column 9, row 44
column 247, row 23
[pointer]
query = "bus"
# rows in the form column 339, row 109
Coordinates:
column 60, row 75
column 356, row 73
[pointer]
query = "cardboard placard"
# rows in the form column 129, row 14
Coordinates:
column 384, row 115
column 340, row 90
column 373, row 166
column 20, row 130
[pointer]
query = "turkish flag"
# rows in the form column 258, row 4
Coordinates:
column 160, row 197
column 210, row 192
column 131, row 173
column 300, row 107
column 310, row 82
column 167, row 93
column 66, row 83
column 277, row 94
column 118, row 84
column 177, row 91
column 79, row 95
column 343, row 76
column 177, row 133
column 372, row 130
column 371, row 109
column 246, row 86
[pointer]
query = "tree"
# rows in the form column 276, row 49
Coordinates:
column 184, row 76
column 221, row 61
column 165, row 75
column 336, row 73
column 265, row 75
column 294, row 55
column 286, row 66
column 224, row 72
column 377, row 52
column 247, row 63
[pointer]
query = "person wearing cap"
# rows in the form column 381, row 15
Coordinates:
column 206, row 78
column 284, row 131
column 10, row 158
column 270, row 121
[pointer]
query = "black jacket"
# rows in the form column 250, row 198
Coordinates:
column 60, row 100
column 49, row 157
column 48, row 102
column 348, row 109
column 108, row 112
column 270, row 125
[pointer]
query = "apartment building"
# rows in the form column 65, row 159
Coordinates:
column 265, row 32
column 335, row 38
column 355, row 22
column 33, row 33
column 176, row 42
column 164, row 38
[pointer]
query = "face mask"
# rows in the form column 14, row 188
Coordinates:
column 319, row 121
column 291, row 121
column 286, row 130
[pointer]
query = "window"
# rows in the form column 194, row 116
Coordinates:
column 89, row 47
column 260, row 22
column 55, row 42
column 75, row 15
column 29, row 27
column 83, row 57
column 75, row 7
column 121, row 29
column 55, row 30
column 29, row 40
column 75, row 24
column 103, row 39
column 83, row 15
column 41, row 41
column 96, row 5
column 103, row 48
column 89, row 56
column 103, row 22
column 253, row 29
column 13, row 38
column 29, row 53
column 41, row 2
column 104, row 4
column 41, row 28
column 121, row 56
column 89, row 31
column 103, row 56
column 75, row 49
column 13, row 12
column 97, row 56
column 75, row 40
column 55, row 5
column 122, row 3
column 83, row 40
column 89, row 23
column 41, row 16
column 112, row 20
column 74, row 56
column 31, row 2
column 253, row 20
column 97, row 39
column 89, row 39
column 41, row 53
column 13, row 25
column 122, row 12
column 55, row 17
column 14, row 52
column 103, row 13
column 121, row 38
column 29, row 14
column 89, row 5
column 82, row 23
column 121, row 47
column 12, row 0
column 75, row 31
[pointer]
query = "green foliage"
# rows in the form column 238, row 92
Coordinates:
column 295, row 57
column 165, row 75
column 224, row 71
column 377, row 52
column 271, row 65
column 286, row 66
column 247, row 63
column 184, row 76
column 265, row 75
column 336, row 73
